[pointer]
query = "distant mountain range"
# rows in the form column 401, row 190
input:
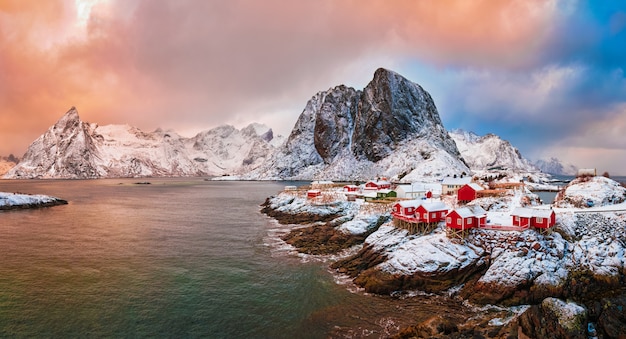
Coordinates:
column 390, row 128
column 555, row 166
column 76, row 149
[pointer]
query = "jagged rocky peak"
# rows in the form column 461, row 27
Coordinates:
column 391, row 128
column 68, row 121
column 258, row 130
column 392, row 109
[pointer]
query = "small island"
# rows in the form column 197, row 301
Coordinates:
column 561, row 278
column 17, row 201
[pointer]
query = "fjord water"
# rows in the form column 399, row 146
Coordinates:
column 175, row 258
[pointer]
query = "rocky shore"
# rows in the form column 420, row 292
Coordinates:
column 570, row 282
column 17, row 201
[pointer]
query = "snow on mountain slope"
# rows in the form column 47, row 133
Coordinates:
column 76, row 149
column 489, row 151
column 391, row 128
column 555, row 166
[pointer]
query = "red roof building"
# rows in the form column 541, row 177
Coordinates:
column 466, row 217
column 350, row 188
column 430, row 212
column 405, row 208
column 533, row 217
column 468, row 192
column 313, row 193
column 377, row 185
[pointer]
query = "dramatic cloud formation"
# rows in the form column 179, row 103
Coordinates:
column 546, row 75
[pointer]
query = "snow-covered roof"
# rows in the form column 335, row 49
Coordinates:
column 385, row 191
column 411, row 188
column 378, row 182
column 531, row 212
column 475, row 186
column 314, row 191
column 409, row 203
column 371, row 194
column 434, row 206
column 456, row 181
column 470, row 211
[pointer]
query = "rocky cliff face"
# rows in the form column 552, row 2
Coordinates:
column 489, row 151
column 76, row 149
column 391, row 128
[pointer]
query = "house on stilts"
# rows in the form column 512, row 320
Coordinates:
column 418, row 217
column 461, row 220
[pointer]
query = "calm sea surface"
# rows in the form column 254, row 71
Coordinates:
column 176, row 258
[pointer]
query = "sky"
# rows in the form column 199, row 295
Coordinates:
column 547, row 75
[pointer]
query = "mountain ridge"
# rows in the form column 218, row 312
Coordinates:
column 390, row 128
column 74, row 149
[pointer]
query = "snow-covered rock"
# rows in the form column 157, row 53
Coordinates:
column 73, row 148
column 16, row 200
column 584, row 192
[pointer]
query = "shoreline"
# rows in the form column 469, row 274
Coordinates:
column 509, row 269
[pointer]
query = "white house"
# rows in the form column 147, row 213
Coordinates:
column 450, row 185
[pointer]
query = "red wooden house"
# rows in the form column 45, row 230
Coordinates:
column 468, row 192
column 313, row 193
column 466, row 217
column 350, row 188
column 405, row 208
column 431, row 212
column 377, row 185
column 532, row 217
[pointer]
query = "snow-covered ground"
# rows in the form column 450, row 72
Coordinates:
column 584, row 239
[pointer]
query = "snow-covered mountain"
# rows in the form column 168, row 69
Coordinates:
column 489, row 151
column 555, row 166
column 391, row 128
column 73, row 148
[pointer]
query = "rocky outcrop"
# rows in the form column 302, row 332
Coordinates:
column 17, row 201
column 585, row 192
column 554, row 318
column 391, row 128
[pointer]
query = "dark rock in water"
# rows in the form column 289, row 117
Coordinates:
column 322, row 239
column 609, row 315
column 295, row 218
column 554, row 318
column 143, row 183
